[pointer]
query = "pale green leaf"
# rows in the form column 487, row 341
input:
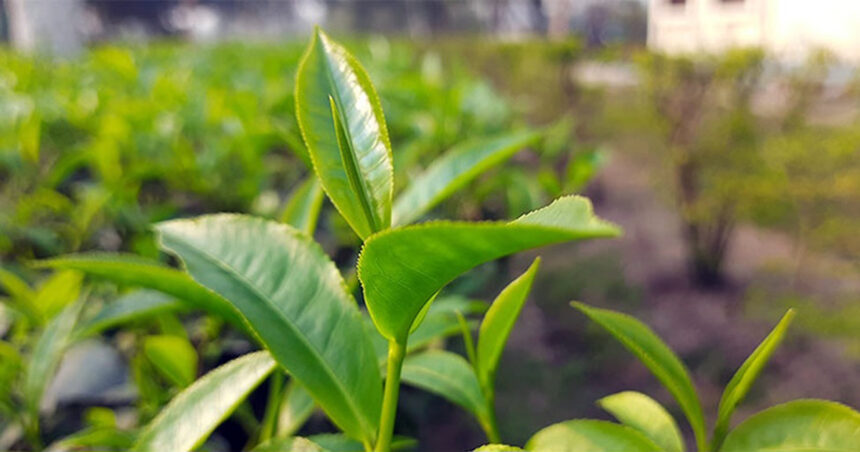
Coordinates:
column 357, row 175
column 450, row 376
column 22, row 296
column 192, row 415
column 744, row 378
column 296, row 302
column 173, row 356
column 453, row 170
column 294, row 444
column 798, row 426
column 659, row 359
column 303, row 208
column 498, row 448
column 397, row 285
column 134, row 271
column 48, row 352
column 498, row 323
column 590, row 436
column 57, row 292
column 133, row 306
column 296, row 407
column 642, row 413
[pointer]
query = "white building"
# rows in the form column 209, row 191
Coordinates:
column 787, row 28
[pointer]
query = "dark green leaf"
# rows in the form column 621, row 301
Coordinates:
column 357, row 173
column 657, row 356
column 193, row 414
column 295, row 301
column 453, row 171
column 397, row 286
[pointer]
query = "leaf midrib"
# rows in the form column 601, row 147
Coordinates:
column 301, row 338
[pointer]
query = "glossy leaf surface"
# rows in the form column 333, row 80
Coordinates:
column 357, row 172
column 397, row 285
column 590, row 436
column 303, row 208
column 642, row 413
column 138, row 272
column 498, row 323
column 448, row 375
column 657, row 357
column 745, row 376
column 798, row 426
column 193, row 414
column 295, row 301
column 453, row 170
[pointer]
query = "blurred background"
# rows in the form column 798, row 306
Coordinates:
column 722, row 135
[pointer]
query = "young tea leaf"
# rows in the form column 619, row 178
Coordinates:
column 296, row 302
column 57, row 292
column 453, row 170
column 303, row 208
column 193, row 414
column 173, row 356
column 659, row 359
column 642, row 413
column 133, row 306
column 743, row 379
column 590, row 436
column 357, row 172
column 397, row 285
column 296, row 407
column 497, row 325
column 800, row 425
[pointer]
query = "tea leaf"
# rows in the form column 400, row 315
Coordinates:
column 333, row 442
column 139, row 272
column 173, row 356
column 357, row 173
column 397, row 285
column 21, row 295
column 294, row 444
column 640, row 412
column 497, row 325
column 743, row 379
column 448, row 375
column 296, row 302
column 296, row 407
column 453, row 170
column 303, row 208
column 801, row 425
column 590, row 436
column 193, row 414
column 130, row 307
column 57, row 292
column 658, row 357
column 498, row 448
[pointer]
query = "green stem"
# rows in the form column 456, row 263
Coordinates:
column 273, row 406
column 396, row 353
column 492, row 426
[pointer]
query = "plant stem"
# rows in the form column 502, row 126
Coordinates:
column 396, row 353
column 492, row 425
column 273, row 406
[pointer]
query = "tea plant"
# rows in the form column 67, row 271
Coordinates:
column 274, row 282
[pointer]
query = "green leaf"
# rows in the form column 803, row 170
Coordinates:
column 173, row 356
column 133, row 306
column 57, row 292
column 497, row 325
column 303, row 208
column 798, row 426
column 590, row 436
column 295, row 444
column 744, row 378
column 296, row 407
column 397, row 286
column 22, row 296
column 498, row 448
column 295, row 301
column 357, row 173
column 659, row 359
column 134, row 271
column 640, row 412
column 55, row 339
column 193, row 414
column 453, row 170
column 448, row 375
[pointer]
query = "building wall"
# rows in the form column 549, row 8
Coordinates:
column 789, row 28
